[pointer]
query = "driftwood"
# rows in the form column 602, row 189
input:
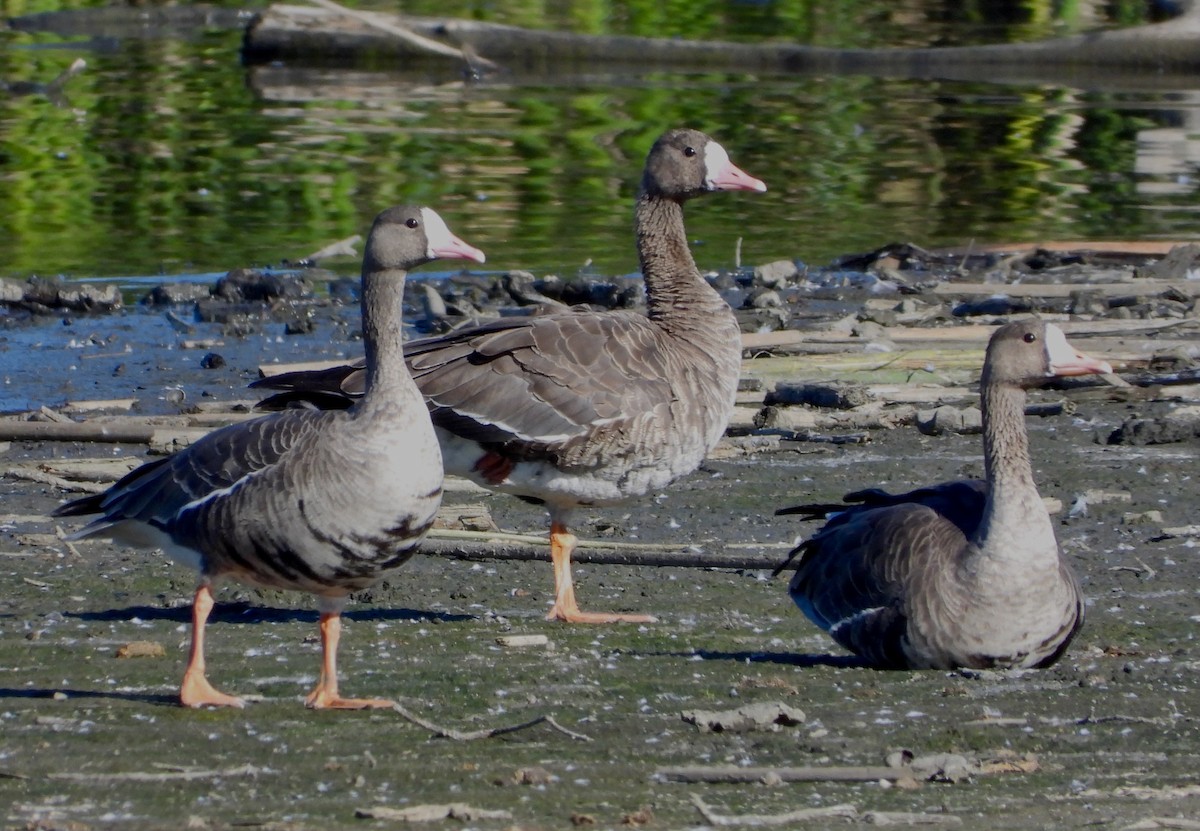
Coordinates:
column 1170, row 50
column 125, row 432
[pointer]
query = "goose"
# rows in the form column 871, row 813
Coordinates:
column 961, row 574
column 319, row 502
column 585, row 408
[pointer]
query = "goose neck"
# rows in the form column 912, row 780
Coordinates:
column 675, row 291
column 383, row 328
column 1014, row 516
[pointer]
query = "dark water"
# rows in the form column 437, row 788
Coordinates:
column 168, row 156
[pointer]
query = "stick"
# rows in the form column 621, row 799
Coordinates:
column 341, row 248
column 430, row 813
column 461, row 736
column 134, row 432
column 730, row 775
column 908, row 818
column 832, row 812
column 485, row 546
column 56, row 481
column 406, row 35
column 167, row 776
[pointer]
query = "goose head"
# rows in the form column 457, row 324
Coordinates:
column 408, row 235
column 1028, row 353
column 685, row 163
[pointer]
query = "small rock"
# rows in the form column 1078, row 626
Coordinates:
column 775, row 275
column 838, row 395
column 966, row 421
column 141, row 649
column 212, row 361
column 764, row 716
column 532, row 776
column 171, row 294
column 299, row 326
column 1176, row 265
column 763, row 299
column 89, row 297
column 245, row 284
column 11, row 291
column 995, row 305
column 1142, row 518
column 522, row 640
column 642, row 816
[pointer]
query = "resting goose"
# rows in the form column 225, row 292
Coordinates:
column 580, row 408
column 962, row 574
column 320, row 502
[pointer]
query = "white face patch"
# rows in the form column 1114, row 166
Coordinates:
column 1058, row 351
column 437, row 233
column 443, row 244
column 716, row 162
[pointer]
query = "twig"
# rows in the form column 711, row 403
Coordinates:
column 408, row 36
column 77, row 66
column 341, row 248
column 832, row 812
column 72, row 549
column 53, row 416
column 465, row 736
column 56, row 481
column 166, row 776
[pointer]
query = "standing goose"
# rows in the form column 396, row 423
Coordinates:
column 586, row 408
column 320, row 502
column 962, row 574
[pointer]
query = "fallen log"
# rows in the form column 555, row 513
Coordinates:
column 284, row 32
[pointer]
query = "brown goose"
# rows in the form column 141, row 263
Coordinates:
column 586, row 408
column 962, row 574
column 320, row 502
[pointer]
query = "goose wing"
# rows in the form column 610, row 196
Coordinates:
column 543, row 381
column 534, row 383
column 860, row 576
column 157, row 492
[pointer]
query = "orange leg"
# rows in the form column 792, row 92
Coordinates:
column 326, row 693
column 195, row 690
column 562, row 543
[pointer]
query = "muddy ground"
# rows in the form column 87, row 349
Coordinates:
column 1107, row 738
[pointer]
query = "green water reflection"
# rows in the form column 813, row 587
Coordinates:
column 169, row 156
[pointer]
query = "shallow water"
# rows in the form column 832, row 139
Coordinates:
column 168, row 156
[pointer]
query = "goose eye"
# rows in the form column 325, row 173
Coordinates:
column 411, row 223
column 1029, row 337
column 689, row 151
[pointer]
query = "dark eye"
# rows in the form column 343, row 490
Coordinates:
column 411, row 223
column 689, row 151
column 1029, row 337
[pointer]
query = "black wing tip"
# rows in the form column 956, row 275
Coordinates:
column 80, row 507
column 297, row 399
column 799, row 551
column 812, row 510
